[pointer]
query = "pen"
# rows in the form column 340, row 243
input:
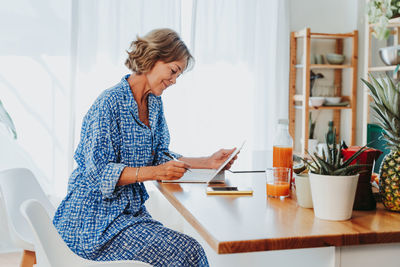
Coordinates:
column 173, row 158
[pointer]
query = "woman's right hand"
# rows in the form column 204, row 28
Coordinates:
column 171, row 170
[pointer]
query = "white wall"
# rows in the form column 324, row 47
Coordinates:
column 339, row 16
column 324, row 15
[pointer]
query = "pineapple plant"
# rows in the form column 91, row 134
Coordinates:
column 386, row 107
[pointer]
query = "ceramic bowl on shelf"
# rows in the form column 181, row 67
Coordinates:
column 333, row 99
column 390, row 55
column 335, row 58
column 317, row 101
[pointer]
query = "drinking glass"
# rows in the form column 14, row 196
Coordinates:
column 278, row 182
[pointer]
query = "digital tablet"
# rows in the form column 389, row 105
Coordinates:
column 206, row 175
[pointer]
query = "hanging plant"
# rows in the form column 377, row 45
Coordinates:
column 379, row 12
column 7, row 121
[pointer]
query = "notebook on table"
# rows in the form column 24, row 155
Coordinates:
column 206, row 175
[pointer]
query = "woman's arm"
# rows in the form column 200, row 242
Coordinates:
column 173, row 170
column 170, row 170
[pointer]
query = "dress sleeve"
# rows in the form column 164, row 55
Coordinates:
column 164, row 140
column 101, row 149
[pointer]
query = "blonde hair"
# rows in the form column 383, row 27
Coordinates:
column 159, row 44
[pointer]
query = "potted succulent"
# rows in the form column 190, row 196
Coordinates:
column 379, row 12
column 386, row 106
column 333, row 182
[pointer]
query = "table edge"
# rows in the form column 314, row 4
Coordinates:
column 269, row 244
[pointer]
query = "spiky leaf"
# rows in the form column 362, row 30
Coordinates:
column 386, row 106
column 333, row 164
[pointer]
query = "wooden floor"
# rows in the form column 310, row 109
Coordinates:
column 10, row 259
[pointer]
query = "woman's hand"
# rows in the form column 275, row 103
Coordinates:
column 171, row 170
column 219, row 157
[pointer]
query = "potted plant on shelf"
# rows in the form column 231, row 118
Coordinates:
column 333, row 182
column 312, row 142
column 379, row 12
column 386, row 106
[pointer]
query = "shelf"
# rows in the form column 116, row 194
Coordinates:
column 330, row 107
column 323, row 107
column 368, row 54
column 392, row 23
column 331, row 35
column 315, row 35
column 300, row 125
column 300, row 98
column 324, row 66
column 382, row 68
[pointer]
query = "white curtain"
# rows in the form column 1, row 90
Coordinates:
column 56, row 58
column 239, row 86
column 34, row 85
column 104, row 32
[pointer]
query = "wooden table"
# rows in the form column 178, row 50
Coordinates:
column 233, row 224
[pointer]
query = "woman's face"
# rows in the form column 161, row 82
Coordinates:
column 163, row 75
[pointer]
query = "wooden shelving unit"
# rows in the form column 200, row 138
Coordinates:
column 324, row 66
column 369, row 68
column 306, row 36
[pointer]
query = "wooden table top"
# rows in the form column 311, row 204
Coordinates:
column 232, row 224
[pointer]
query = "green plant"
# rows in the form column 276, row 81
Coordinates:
column 386, row 108
column 333, row 163
column 379, row 12
column 7, row 121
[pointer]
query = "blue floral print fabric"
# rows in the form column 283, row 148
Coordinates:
column 102, row 221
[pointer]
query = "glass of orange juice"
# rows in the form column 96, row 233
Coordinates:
column 278, row 182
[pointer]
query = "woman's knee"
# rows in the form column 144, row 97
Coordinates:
column 195, row 253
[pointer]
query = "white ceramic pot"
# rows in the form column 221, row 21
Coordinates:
column 303, row 191
column 333, row 196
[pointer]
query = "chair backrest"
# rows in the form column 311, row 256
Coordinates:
column 51, row 250
column 16, row 186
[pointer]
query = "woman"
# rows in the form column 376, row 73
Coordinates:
column 123, row 139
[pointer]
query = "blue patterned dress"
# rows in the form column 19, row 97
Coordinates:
column 102, row 221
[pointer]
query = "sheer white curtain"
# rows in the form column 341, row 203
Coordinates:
column 56, row 58
column 104, row 32
column 34, row 84
column 239, row 86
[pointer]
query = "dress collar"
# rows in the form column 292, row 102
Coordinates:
column 153, row 104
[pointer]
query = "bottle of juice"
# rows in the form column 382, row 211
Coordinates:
column 283, row 147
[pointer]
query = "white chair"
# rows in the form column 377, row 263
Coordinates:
column 12, row 155
column 16, row 186
column 51, row 250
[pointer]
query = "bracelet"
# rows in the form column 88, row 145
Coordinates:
column 137, row 174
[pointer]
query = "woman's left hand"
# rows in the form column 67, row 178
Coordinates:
column 219, row 157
